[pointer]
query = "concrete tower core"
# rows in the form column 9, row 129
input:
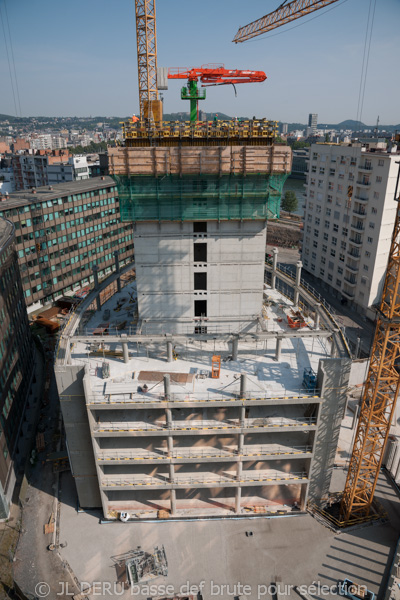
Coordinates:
column 200, row 206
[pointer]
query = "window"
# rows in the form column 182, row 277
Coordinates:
column 315, row 244
column 374, row 211
column 343, row 245
column 365, row 267
column 200, row 252
column 326, row 224
column 328, row 212
column 314, row 169
column 339, row 188
column 332, row 172
column 381, row 162
column 367, row 254
column 376, row 195
column 335, row 227
column 200, row 227
column 322, row 272
column 308, row 229
column 363, row 280
column 370, row 240
column 378, row 179
column 313, row 255
column 309, row 218
column 318, row 209
column 312, row 193
column 336, row 215
column 329, row 198
column 330, row 265
column 321, row 170
column 340, row 270
column 326, row 237
column 339, row 282
column 345, row 231
column 200, row 281
column 346, row 218
column 310, row 205
column 316, row 233
column 330, row 277
column 333, row 252
column 323, row 260
column 312, row 267
column 312, row 181
column 324, row 248
column 341, row 257
column 330, row 185
column 334, row 241
column 317, row 220
column 371, row 225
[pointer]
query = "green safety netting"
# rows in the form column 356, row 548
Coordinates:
column 199, row 197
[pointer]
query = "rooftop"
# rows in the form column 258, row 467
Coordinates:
column 6, row 232
column 50, row 192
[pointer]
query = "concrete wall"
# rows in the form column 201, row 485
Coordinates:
column 72, row 399
column 359, row 371
column 332, row 378
column 165, row 269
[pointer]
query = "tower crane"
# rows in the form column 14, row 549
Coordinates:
column 210, row 75
column 282, row 15
column 147, row 57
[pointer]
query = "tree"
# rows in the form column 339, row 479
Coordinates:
column 289, row 202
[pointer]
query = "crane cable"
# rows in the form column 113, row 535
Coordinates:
column 13, row 72
column 365, row 62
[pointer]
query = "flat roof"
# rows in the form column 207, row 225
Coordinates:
column 50, row 192
column 6, row 232
column 266, row 376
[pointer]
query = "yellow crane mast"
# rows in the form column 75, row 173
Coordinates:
column 380, row 394
column 147, row 58
column 282, row 15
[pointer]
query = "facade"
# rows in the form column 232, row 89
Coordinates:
column 300, row 163
column 348, row 221
column 48, row 167
column 313, row 122
column 62, row 231
column 16, row 362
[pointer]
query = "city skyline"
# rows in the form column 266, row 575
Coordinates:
column 72, row 71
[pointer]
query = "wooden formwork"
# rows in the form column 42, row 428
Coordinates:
column 195, row 160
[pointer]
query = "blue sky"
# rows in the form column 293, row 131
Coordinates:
column 79, row 58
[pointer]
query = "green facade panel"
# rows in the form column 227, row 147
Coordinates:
column 199, row 197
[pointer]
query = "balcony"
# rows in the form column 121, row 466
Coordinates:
column 356, row 241
column 358, row 226
column 350, row 281
column 354, row 253
column 352, row 268
column 360, row 199
column 364, row 183
column 361, row 212
column 366, row 167
column 348, row 294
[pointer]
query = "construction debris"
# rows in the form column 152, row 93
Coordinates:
column 141, row 566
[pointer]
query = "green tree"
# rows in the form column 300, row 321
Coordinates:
column 289, row 202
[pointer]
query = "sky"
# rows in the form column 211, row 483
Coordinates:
column 78, row 58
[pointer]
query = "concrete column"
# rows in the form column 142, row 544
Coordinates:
column 117, row 270
column 333, row 348
column 170, row 357
column 358, row 347
column 235, row 347
column 355, row 417
column 243, row 385
column 278, row 349
column 316, row 316
column 171, row 473
column 96, row 286
column 298, row 280
column 167, row 388
column 170, row 444
column 173, row 502
column 274, row 267
column 125, row 348
column 238, row 498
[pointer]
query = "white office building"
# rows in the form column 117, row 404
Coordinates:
column 349, row 218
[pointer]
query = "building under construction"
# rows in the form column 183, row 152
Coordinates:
column 213, row 383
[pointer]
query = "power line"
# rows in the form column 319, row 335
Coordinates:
column 9, row 63
column 13, row 61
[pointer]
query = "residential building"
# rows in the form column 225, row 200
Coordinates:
column 313, row 122
column 62, row 231
column 48, row 167
column 16, row 362
column 349, row 216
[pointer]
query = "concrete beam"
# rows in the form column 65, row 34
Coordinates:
column 125, row 349
column 274, row 267
column 278, row 349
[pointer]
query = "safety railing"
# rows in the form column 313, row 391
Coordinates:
column 134, row 397
column 196, row 425
column 194, row 480
column 199, row 453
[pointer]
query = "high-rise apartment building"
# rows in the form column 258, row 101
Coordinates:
column 62, row 231
column 313, row 122
column 349, row 216
column 16, row 361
